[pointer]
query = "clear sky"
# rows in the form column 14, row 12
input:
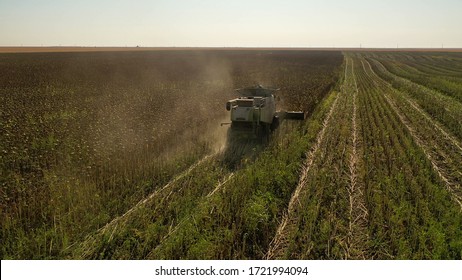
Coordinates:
column 232, row 23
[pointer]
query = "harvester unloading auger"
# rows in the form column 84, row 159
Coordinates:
column 254, row 115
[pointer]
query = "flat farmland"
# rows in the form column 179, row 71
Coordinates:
column 88, row 136
column 120, row 155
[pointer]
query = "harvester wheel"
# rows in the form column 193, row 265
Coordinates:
column 275, row 123
column 231, row 136
column 263, row 133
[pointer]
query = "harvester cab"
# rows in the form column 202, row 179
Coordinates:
column 253, row 113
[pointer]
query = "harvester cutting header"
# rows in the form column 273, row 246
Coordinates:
column 254, row 112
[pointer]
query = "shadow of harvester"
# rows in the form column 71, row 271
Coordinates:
column 242, row 147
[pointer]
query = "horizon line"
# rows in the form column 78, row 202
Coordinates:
column 70, row 48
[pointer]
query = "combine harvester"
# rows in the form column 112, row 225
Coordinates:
column 254, row 115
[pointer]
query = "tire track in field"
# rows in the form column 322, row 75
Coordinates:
column 438, row 168
column 173, row 230
column 114, row 222
column 280, row 239
column 432, row 155
column 358, row 213
column 219, row 187
column 221, row 184
column 158, row 191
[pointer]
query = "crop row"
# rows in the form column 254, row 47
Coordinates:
column 331, row 217
column 411, row 213
column 444, row 109
column 440, row 80
column 441, row 148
